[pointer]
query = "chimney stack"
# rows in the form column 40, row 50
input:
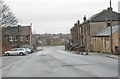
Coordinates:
column 84, row 18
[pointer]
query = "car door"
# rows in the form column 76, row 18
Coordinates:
column 13, row 51
column 18, row 51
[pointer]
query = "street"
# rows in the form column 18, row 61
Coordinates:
column 54, row 61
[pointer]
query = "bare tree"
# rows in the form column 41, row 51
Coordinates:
column 7, row 18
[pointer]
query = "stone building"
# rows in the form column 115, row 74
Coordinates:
column 16, row 36
column 75, row 33
column 101, row 20
column 101, row 41
column 91, row 27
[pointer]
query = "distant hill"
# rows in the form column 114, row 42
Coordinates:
column 51, row 39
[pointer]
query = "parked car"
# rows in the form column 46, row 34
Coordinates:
column 16, row 51
column 28, row 50
column 28, row 46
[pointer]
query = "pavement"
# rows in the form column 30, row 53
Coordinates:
column 99, row 54
column 112, row 56
column 107, row 55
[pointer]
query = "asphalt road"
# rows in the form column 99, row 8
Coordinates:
column 55, row 62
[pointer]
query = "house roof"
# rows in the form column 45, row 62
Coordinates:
column 18, row 30
column 106, row 32
column 105, row 16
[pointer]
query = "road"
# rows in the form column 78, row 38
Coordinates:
column 55, row 62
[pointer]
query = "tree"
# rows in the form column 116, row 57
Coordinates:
column 7, row 18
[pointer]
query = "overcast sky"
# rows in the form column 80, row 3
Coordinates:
column 56, row 16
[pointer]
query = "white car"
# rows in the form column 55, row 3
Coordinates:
column 16, row 51
column 29, row 50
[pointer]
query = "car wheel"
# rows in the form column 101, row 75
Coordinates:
column 86, row 53
column 81, row 53
column 21, row 53
column 7, row 54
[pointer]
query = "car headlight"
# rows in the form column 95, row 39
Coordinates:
column 5, row 52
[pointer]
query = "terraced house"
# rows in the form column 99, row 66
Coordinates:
column 101, row 41
column 95, row 25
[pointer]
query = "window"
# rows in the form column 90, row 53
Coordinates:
column 107, row 39
column 108, row 24
column 14, row 50
column 11, row 44
column 27, row 38
column 16, row 38
column 95, row 41
column 102, row 42
column 6, row 37
column 105, row 42
column 11, row 38
column 21, row 49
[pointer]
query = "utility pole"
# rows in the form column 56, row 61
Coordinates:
column 31, row 34
column 89, row 36
column 18, row 36
column 1, row 39
column 111, row 43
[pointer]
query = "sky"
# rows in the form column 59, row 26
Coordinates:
column 56, row 16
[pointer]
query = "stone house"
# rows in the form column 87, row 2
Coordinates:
column 75, row 33
column 16, row 36
column 101, row 20
column 101, row 41
column 98, row 22
column 92, row 26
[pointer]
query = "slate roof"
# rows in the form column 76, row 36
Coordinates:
column 18, row 30
column 104, row 16
column 106, row 32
